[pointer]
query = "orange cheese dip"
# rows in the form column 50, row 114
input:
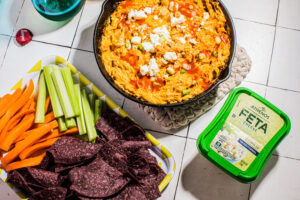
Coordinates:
column 165, row 51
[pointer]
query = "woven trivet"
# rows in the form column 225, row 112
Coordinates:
column 178, row 117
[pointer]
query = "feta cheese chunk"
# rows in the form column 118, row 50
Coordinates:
column 218, row 40
column 170, row 56
column 205, row 15
column 171, row 6
column 154, row 39
column 186, row 66
column 148, row 10
column 193, row 41
column 144, row 70
column 179, row 20
column 153, row 67
column 170, row 70
column 134, row 14
column 182, row 40
column 162, row 32
column 148, row 46
column 201, row 55
column 155, row 17
column 136, row 40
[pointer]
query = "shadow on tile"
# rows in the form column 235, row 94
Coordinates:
column 205, row 181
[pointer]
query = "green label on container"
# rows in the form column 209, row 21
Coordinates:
column 248, row 128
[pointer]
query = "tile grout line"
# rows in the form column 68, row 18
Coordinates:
column 275, row 87
column 77, row 25
column 180, row 169
column 256, row 22
column 16, row 22
column 1, row 64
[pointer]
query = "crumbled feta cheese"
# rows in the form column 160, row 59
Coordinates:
column 199, row 29
column 192, row 18
column 155, row 17
column 162, row 31
column 218, row 40
column 179, row 20
column 171, row 6
column 148, row 46
column 144, row 37
column 170, row 70
column 182, row 40
column 134, row 14
column 153, row 67
column 144, row 70
column 201, row 55
column 176, row 6
column 205, row 15
column 187, row 35
column 154, row 39
column 136, row 40
column 202, row 23
column 166, row 75
column 170, row 56
column 148, row 10
column 186, row 66
column 164, row 61
column 193, row 41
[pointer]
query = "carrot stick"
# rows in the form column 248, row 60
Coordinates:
column 48, row 118
column 55, row 133
column 33, row 161
column 13, row 98
column 4, row 100
column 23, row 109
column 11, row 136
column 29, row 140
column 32, row 149
column 16, row 118
column 47, row 103
column 17, row 105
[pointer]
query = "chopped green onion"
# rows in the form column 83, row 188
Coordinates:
column 98, row 109
column 41, row 98
column 70, row 122
column 183, row 54
column 140, row 47
column 66, row 74
column 62, row 93
column 88, row 116
column 80, row 118
column 57, row 110
column 127, row 44
column 215, row 54
column 185, row 92
column 182, row 71
column 62, row 124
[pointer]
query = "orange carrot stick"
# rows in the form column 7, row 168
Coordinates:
column 16, row 118
column 4, row 100
column 13, row 98
column 48, row 118
column 30, row 162
column 28, row 141
column 47, row 103
column 11, row 136
column 17, row 105
column 32, row 149
column 55, row 133
column 23, row 109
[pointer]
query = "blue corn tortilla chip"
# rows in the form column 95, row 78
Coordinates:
column 45, row 178
column 129, row 147
column 51, row 193
column 97, row 180
column 133, row 133
column 16, row 178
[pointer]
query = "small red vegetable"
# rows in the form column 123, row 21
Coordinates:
column 24, row 36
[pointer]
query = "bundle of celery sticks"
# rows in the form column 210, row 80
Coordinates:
column 71, row 105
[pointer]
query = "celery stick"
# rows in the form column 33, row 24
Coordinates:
column 61, row 124
column 92, row 98
column 57, row 110
column 98, row 109
column 70, row 122
column 80, row 118
column 66, row 74
column 41, row 98
column 62, row 93
column 88, row 116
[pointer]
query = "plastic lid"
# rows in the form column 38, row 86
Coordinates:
column 243, row 135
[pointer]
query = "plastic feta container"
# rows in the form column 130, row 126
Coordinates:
column 243, row 135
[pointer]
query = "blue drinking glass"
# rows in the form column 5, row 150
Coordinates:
column 58, row 10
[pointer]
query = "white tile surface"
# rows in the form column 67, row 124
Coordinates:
column 85, row 31
column 61, row 33
column 288, row 14
column 19, row 60
column 279, row 180
column 198, row 126
column 285, row 67
column 257, row 39
column 263, row 11
column 145, row 120
column 9, row 12
column 200, row 179
column 4, row 40
column 176, row 146
column 85, row 62
column 288, row 102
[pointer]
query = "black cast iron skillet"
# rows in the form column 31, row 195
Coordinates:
column 108, row 7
